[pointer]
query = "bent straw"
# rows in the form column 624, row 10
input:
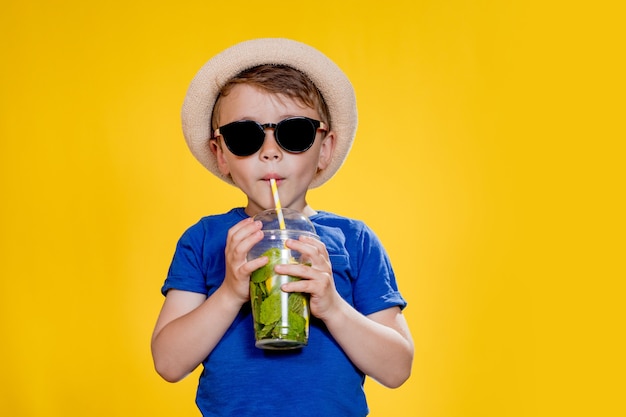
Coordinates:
column 279, row 211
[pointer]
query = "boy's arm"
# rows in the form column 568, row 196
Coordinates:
column 188, row 328
column 379, row 344
column 190, row 325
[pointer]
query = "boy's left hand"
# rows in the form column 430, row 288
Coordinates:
column 316, row 279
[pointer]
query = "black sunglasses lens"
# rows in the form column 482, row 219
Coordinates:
column 296, row 135
column 243, row 138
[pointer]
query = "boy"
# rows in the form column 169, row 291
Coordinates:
column 278, row 109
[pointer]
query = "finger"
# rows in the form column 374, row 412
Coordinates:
column 244, row 228
column 297, row 286
column 309, row 248
column 251, row 266
column 296, row 270
column 238, row 226
column 244, row 235
column 310, row 241
column 317, row 283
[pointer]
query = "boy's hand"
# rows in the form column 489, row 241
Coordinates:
column 317, row 279
column 241, row 238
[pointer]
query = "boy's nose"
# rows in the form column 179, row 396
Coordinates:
column 270, row 149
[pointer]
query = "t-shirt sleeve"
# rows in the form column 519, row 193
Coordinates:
column 186, row 271
column 375, row 287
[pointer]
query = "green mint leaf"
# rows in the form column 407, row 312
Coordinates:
column 267, row 270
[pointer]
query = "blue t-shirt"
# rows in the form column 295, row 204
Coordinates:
column 240, row 379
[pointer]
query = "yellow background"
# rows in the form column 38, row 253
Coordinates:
column 488, row 159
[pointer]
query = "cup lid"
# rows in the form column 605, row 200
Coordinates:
column 294, row 220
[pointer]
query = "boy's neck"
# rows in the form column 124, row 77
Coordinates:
column 308, row 211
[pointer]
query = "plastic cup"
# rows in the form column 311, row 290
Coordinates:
column 281, row 319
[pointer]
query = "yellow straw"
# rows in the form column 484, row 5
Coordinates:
column 279, row 211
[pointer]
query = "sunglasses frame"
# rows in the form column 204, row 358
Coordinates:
column 318, row 125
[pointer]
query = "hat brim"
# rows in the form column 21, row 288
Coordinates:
column 332, row 83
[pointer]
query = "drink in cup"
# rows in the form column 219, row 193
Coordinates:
column 281, row 319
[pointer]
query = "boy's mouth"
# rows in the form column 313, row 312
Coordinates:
column 268, row 177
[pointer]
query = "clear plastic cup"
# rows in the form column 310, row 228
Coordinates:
column 281, row 320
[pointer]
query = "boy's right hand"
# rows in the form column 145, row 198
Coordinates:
column 241, row 238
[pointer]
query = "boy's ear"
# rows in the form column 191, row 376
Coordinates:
column 326, row 151
column 216, row 149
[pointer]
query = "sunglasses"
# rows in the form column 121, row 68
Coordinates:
column 246, row 137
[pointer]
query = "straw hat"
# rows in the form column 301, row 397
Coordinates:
column 325, row 74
